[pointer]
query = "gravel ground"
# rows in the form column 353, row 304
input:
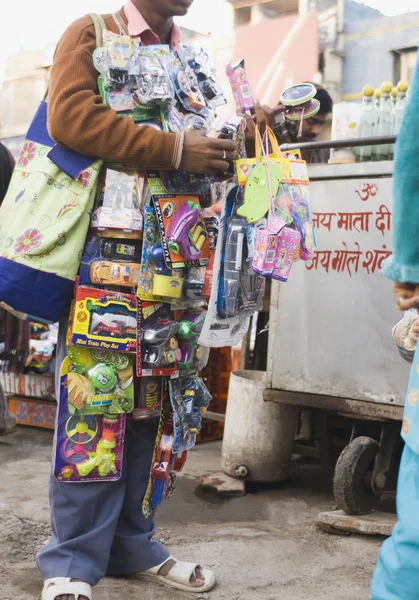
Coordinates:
column 263, row 546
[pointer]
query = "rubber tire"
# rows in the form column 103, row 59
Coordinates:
column 352, row 493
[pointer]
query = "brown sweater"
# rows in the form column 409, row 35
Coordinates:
column 77, row 116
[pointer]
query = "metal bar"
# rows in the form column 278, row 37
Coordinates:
column 327, row 144
column 349, row 407
column 214, row 416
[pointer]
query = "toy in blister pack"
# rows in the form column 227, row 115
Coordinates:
column 103, row 319
column 121, row 59
column 157, row 282
column 301, row 216
column 117, row 212
column 240, row 86
column 194, row 282
column 228, row 331
column 232, row 128
column 265, row 252
column 110, row 262
column 157, row 349
column 184, row 439
column 149, row 398
column 88, row 447
column 196, row 399
column 190, row 327
column 183, row 231
column 181, row 182
column 286, row 253
column 186, row 87
column 153, row 81
column 99, row 381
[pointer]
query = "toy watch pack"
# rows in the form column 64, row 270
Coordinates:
column 157, row 282
column 103, row 319
column 149, row 398
column 99, row 381
column 117, row 212
column 158, row 349
column 183, row 232
column 88, row 447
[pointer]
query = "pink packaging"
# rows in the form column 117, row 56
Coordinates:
column 240, row 86
column 286, row 253
column 265, row 252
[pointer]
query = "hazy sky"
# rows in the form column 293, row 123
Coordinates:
column 36, row 23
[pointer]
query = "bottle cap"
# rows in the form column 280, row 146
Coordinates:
column 368, row 91
column 387, row 87
column 402, row 86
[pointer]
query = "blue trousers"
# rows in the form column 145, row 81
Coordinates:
column 396, row 576
column 99, row 528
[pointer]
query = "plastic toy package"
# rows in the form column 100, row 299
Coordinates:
column 183, row 231
column 99, row 381
column 186, row 84
column 241, row 290
column 157, row 282
column 232, row 128
column 88, row 447
column 153, row 82
column 103, row 319
column 117, row 212
column 110, row 262
column 158, row 350
column 192, row 355
column 189, row 398
column 149, row 398
column 240, row 86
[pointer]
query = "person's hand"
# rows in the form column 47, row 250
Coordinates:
column 262, row 116
column 406, row 295
column 207, row 156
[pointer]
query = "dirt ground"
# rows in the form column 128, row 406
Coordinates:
column 263, row 546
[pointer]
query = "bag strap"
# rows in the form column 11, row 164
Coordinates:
column 273, row 141
column 100, row 27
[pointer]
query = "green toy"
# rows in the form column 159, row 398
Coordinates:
column 257, row 194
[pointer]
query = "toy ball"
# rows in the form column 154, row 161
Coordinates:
column 103, row 377
column 67, row 472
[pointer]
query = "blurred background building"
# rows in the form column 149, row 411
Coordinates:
column 340, row 43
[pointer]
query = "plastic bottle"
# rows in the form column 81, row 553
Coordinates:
column 402, row 88
column 367, row 123
column 384, row 124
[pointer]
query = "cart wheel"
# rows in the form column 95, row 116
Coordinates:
column 352, row 478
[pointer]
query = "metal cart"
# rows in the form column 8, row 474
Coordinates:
column 331, row 351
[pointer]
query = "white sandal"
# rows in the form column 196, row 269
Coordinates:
column 63, row 586
column 179, row 576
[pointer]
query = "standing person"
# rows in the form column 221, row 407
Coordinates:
column 7, row 163
column 397, row 573
column 99, row 528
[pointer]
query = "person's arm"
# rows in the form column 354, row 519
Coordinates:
column 78, row 118
column 405, row 335
column 403, row 266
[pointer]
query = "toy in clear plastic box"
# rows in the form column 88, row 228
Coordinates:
column 183, row 231
column 88, row 447
column 241, row 290
column 99, row 381
column 110, row 262
column 153, row 81
column 117, row 212
column 157, row 282
column 286, row 253
column 103, row 319
column 193, row 356
column 157, row 349
column 149, row 398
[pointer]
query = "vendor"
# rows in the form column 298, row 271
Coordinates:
column 99, row 528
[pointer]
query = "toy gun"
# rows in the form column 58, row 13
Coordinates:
column 103, row 458
column 186, row 236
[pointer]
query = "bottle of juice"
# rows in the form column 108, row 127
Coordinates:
column 384, row 124
column 367, row 123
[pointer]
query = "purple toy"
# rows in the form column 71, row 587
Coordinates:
column 180, row 238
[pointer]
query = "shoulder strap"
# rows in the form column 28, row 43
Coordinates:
column 100, row 27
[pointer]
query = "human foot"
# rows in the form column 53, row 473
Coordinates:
column 184, row 576
column 74, row 589
column 196, row 579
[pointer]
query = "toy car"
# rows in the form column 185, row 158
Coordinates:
column 103, row 272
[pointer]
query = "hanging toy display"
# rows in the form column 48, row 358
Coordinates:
column 174, row 263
